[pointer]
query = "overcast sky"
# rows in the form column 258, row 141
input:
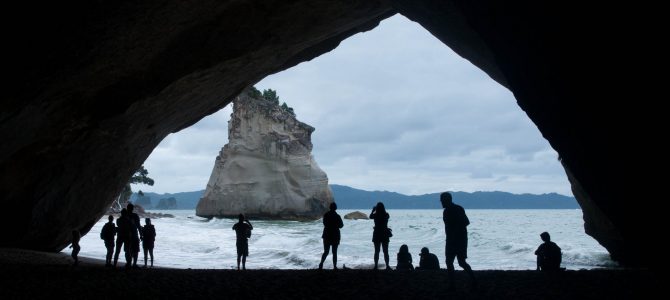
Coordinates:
column 394, row 109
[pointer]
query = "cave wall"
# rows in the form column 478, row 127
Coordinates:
column 96, row 85
column 573, row 71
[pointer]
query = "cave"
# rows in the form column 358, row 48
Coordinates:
column 94, row 87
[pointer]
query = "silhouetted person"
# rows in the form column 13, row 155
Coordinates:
column 123, row 229
column 404, row 259
column 107, row 234
column 243, row 230
column 149, row 236
column 548, row 254
column 381, row 232
column 455, row 227
column 135, row 233
column 428, row 260
column 76, row 236
column 332, row 222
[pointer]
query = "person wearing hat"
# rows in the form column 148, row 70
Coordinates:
column 428, row 260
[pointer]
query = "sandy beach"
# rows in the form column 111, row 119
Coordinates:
column 38, row 275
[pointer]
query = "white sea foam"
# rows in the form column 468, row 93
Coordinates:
column 498, row 239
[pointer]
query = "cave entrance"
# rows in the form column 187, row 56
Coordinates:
column 396, row 110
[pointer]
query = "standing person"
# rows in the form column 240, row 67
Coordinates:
column 135, row 233
column 123, row 228
column 149, row 236
column 381, row 232
column 107, row 234
column 76, row 236
column 455, row 227
column 548, row 254
column 404, row 259
column 243, row 230
column 332, row 222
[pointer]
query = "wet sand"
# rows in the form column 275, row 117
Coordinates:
column 37, row 275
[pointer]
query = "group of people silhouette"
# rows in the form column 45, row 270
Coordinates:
column 129, row 233
column 456, row 244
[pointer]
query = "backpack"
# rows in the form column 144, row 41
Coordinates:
column 104, row 232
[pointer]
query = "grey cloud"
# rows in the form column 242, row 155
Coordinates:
column 394, row 109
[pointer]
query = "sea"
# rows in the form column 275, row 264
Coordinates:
column 498, row 239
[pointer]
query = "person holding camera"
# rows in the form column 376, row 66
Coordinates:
column 243, row 230
column 381, row 233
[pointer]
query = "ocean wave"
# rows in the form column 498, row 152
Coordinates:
column 587, row 259
column 515, row 248
column 497, row 240
column 210, row 250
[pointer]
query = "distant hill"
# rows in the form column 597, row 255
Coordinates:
column 351, row 198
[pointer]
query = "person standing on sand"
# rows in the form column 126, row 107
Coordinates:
column 332, row 222
column 381, row 233
column 135, row 234
column 107, row 234
column 455, row 227
column 243, row 230
column 149, row 236
column 123, row 228
column 76, row 236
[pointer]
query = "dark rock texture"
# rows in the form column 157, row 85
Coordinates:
column 95, row 86
column 569, row 71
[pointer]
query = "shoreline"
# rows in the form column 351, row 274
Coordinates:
column 34, row 274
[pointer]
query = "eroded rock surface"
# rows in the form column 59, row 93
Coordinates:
column 266, row 170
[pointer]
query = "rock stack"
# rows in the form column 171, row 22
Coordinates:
column 266, row 171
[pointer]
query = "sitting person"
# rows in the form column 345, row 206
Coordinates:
column 428, row 260
column 404, row 259
column 548, row 254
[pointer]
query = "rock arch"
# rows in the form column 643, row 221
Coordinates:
column 95, row 87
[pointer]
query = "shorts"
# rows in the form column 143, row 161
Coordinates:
column 242, row 248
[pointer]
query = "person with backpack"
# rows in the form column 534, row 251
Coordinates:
column 149, row 236
column 243, row 230
column 107, row 234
